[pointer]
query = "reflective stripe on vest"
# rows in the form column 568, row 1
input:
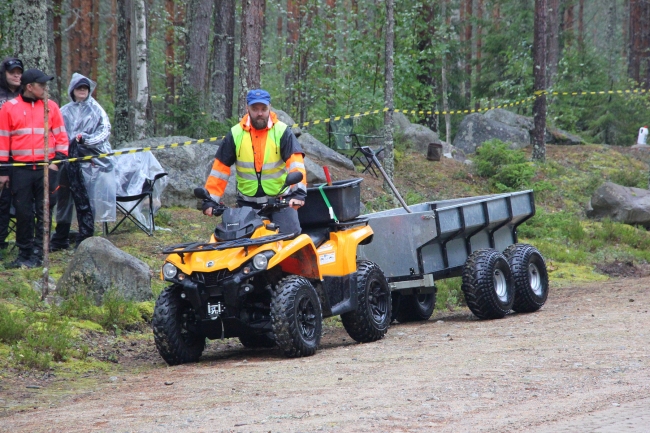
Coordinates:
column 274, row 170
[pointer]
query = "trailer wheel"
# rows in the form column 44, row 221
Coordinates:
column 257, row 341
column 488, row 285
column 530, row 277
column 175, row 329
column 371, row 320
column 416, row 308
column 297, row 317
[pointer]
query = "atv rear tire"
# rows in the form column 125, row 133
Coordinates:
column 257, row 341
column 530, row 277
column 416, row 308
column 297, row 317
column 488, row 285
column 371, row 320
column 173, row 320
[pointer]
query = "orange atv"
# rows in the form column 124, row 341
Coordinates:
column 268, row 288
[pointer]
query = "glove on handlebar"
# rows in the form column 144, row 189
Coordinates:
column 217, row 208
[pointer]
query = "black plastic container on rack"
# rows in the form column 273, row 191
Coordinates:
column 343, row 195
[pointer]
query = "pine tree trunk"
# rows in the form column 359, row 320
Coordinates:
column 581, row 23
column 223, row 60
column 330, row 55
column 80, row 41
column 389, row 93
column 121, row 128
column 252, row 24
column 57, row 30
column 445, row 84
column 30, row 33
column 293, row 32
column 539, row 72
column 468, row 51
column 54, row 88
column 170, row 61
column 198, row 48
column 553, row 41
column 141, row 109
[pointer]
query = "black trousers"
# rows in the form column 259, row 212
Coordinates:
column 27, row 192
column 286, row 219
column 5, row 207
column 72, row 190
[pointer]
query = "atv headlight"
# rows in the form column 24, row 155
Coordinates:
column 260, row 262
column 169, row 270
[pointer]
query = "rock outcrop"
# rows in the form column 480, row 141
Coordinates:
column 98, row 267
column 476, row 129
column 620, row 203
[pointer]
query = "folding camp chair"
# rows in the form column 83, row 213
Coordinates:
column 339, row 134
column 363, row 157
column 127, row 204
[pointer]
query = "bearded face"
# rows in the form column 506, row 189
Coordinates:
column 259, row 115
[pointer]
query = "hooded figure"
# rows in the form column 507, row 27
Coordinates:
column 7, row 92
column 89, row 120
column 90, row 183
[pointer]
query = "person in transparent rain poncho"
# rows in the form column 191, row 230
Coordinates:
column 90, row 184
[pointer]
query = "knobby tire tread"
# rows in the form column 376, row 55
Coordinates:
column 478, row 285
column 359, row 324
column 166, row 330
column 519, row 256
column 283, row 304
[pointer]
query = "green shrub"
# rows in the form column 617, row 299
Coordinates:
column 449, row 293
column 507, row 168
column 12, row 325
column 632, row 177
column 117, row 313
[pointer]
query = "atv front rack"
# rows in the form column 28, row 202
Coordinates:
column 198, row 247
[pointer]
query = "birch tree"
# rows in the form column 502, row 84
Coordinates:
column 141, row 107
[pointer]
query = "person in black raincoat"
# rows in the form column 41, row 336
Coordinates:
column 90, row 183
column 11, row 69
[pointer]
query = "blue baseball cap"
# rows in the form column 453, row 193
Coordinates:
column 258, row 96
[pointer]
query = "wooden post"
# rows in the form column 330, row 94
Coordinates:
column 46, row 200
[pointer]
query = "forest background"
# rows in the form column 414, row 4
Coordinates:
column 169, row 67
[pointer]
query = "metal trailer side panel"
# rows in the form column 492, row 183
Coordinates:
column 437, row 237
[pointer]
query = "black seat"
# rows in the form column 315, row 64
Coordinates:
column 147, row 192
column 318, row 236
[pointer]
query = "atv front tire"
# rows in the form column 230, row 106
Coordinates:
column 371, row 320
column 174, row 329
column 297, row 317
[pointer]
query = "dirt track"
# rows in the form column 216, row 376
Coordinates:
column 585, row 351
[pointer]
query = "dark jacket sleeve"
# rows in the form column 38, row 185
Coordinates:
column 290, row 145
column 226, row 151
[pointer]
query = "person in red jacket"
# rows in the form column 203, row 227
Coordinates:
column 22, row 129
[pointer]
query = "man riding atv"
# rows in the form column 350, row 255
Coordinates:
column 264, row 150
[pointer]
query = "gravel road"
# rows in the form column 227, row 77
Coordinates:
column 581, row 363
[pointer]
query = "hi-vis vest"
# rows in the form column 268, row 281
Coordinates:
column 274, row 170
